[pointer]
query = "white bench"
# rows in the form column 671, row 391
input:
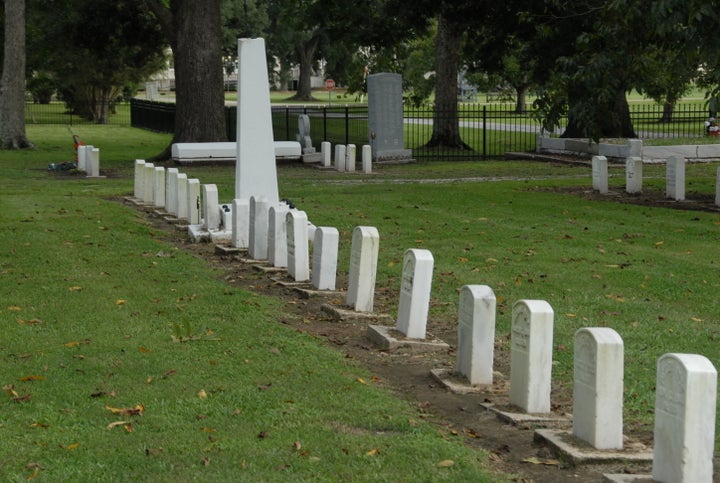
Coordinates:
column 188, row 153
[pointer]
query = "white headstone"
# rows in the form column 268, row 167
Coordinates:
column 598, row 387
column 240, row 223
column 210, row 207
column 82, row 157
column 171, row 190
column 148, row 183
column 324, row 259
column 159, row 189
column 182, row 192
column 600, row 174
column 138, row 186
column 367, row 159
column 415, row 287
column 325, row 149
column 92, row 162
column 277, row 236
column 531, row 355
column 255, row 170
column 684, row 436
column 633, row 175
column 476, row 334
column 350, row 153
column 675, row 178
column 298, row 256
column 258, row 230
column 340, row 157
column 192, row 201
column 363, row 268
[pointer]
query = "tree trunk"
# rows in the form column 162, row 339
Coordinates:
column 668, row 108
column 194, row 31
column 306, row 53
column 12, row 82
column 446, row 128
column 520, row 100
column 604, row 121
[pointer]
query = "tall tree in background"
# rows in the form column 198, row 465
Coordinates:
column 12, row 82
column 193, row 30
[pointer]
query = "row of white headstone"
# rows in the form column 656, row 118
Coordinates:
column 344, row 158
column 88, row 160
column 674, row 177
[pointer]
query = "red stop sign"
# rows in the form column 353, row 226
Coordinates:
column 329, row 84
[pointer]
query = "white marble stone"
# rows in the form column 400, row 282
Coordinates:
column 598, row 387
column 340, row 157
column 182, row 192
column 684, row 436
column 92, row 162
column 241, row 223
column 531, row 355
column 350, row 153
column 675, row 178
column 600, row 174
column 476, row 334
column 171, row 190
column 633, row 175
column 82, row 157
column 255, row 170
column 159, row 189
column 325, row 149
column 192, row 201
column 277, row 236
column 363, row 268
column 324, row 259
column 367, row 159
column 138, row 186
column 210, row 207
column 258, row 231
column 148, row 183
column 298, row 255
column 415, row 288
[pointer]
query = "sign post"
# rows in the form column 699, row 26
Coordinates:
column 329, row 85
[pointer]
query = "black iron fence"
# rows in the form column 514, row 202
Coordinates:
column 486, row 130
column 57, row 112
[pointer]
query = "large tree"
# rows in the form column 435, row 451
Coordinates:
column 12, row 82
column 193, row 30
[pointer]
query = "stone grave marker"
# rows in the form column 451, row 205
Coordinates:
column 340, row 157
column 600, row 174
column 303, row 135
column 385, row 117
column 138, row 186
column 363, row 268
column 92, row 162
column 350, row 153
column 476, row 334
column 324, row 259
column 325, row 149
column 241, row 223
column 159, row 189
column 277, row 236
column 255, row 169
column 258, row 230
column 531, row 355
column 598, row 387
column 684, row 435
column 182, row 205
column 171, row 191
column 210, row 207
column 298, row 256
column 415, row 288
column 82, row 157
column 675, row 178
column 633, row 175
column 148, row 183
column 367, row 159
column 192, row 201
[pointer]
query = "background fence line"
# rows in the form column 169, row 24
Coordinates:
column 488, row 130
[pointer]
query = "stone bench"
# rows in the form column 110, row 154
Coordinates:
column 189, row 153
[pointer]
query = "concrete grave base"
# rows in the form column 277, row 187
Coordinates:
column 456, row 383
column 198, row 233
column 578, row 452
column 390, row 338
column 289, row 282
column 623, row 478
column 307, row 293
column 228, row 250
column 343, row 313
column 520, row 418
column 312, row 158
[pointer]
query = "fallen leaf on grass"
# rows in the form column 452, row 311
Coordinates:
column 373, row 452
column 361, row 380
column 297, row 446
column 117, row 423
column 14, row 308
column 120, row 302
column 32, row 378
column 202, row 394
column 35, row 472
column 445, row 464
column 136, row 411
column 542, row 461
column 70, row 446
column 75, row 288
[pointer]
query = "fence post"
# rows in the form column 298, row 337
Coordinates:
column 347, row 126
column 324, row 123
column 287, row 123
column 484, row 132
